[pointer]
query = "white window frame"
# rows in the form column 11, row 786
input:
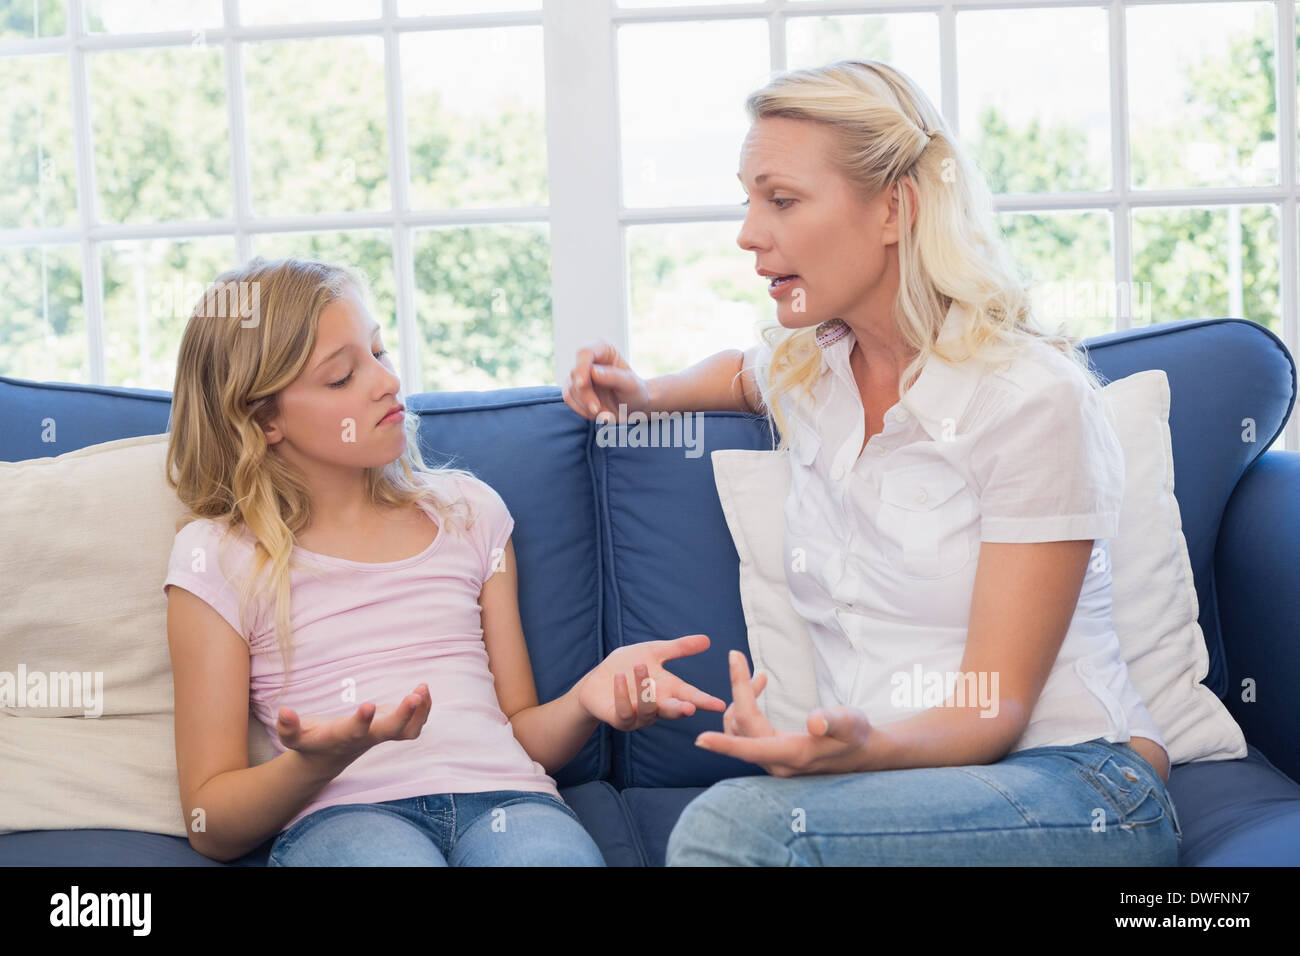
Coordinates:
column 586, row 216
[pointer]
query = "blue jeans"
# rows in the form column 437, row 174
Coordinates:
column 1089, row 804
column 493, row 828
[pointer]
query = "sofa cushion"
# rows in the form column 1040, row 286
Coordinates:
column 675, row 573
column 1223, row 373
column 81, row 595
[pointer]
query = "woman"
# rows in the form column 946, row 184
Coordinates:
column 954, row 481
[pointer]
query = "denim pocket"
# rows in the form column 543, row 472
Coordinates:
column 1134, row 794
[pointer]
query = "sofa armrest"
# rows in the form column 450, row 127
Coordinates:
column 1257, row 582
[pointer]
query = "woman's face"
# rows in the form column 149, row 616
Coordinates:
column 806, row 219
column 330, row 414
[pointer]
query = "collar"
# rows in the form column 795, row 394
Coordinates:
column 943, row 390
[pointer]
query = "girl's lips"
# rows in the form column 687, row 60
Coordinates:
column 392, row 417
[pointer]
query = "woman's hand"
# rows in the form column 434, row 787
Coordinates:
column 601, row 381
column 835, row 742
column 341, row 740
column 659, row 693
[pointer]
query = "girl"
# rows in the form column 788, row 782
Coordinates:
column 954, row 478
column 324, row 565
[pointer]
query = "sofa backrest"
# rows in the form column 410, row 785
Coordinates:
column 618, row 545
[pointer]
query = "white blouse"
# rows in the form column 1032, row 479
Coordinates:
column 883, row 546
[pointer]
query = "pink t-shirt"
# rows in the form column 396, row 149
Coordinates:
column 372, row 632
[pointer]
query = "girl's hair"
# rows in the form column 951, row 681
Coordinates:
column 884, row 130
column 250, row 336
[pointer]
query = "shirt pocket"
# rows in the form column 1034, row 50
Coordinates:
column 926, row 518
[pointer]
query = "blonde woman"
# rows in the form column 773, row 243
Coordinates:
column 954, row 480
column 363, row 605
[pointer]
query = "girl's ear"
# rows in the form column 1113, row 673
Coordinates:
column 264, row 415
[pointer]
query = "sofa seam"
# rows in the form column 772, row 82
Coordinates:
column 604, row 758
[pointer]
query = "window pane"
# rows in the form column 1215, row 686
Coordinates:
column 1067, row 259
column 421, row 8
column 327, row 152
column 1052, row 134
column 28, row 19
column 162, row 145
column 682, row 108
column 907, row 41
column 38, row 176
column 43, row 324
column 477, row 137
column 692, row 293
column 1202, row 111
column 150, row 288
column 370, row 251
column 295, row 11
column 1205, row 263
column 483, row 306
column 151, row 16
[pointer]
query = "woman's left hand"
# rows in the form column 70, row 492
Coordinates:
column 835, row 742
column 658, row 692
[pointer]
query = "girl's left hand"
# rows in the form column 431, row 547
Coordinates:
column 659, row 693
column 835, row 742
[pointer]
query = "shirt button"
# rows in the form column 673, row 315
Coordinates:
column 837, row 472
column 922, row 496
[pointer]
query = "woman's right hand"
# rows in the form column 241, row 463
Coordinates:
column 601, row 381
column 341, row 740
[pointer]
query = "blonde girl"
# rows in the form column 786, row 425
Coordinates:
column 362, row 604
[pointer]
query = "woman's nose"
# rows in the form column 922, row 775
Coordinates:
column 748, row 238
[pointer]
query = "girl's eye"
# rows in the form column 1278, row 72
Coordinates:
column 344, row 380
column 777, row 203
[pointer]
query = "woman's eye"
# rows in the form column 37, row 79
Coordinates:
column 344, row 380
column 777, row 203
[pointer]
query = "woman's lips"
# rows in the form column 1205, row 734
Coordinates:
column 779, row 286
column 391, row 417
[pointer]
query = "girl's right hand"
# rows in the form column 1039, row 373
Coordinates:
column 601, row 381
column 341, row 740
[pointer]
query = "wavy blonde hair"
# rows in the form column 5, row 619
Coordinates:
column 229, row 373
column 950, row 249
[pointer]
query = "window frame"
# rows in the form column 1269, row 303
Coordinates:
column 585, row 216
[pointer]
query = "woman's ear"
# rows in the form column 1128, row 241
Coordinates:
column 889, row 233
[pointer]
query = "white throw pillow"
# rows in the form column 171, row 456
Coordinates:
column 1153, row 591
column 81, row 585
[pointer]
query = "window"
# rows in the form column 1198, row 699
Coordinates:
column 520, row 177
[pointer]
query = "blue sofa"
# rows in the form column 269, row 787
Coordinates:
column 621, row 545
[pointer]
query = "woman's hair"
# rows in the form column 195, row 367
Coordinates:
column 249, row 337
column 885, row 130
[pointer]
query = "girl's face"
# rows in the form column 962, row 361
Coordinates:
column 806, row 219
column 331, row 413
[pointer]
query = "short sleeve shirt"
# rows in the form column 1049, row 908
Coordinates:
column 884, row 540
column 373, row 632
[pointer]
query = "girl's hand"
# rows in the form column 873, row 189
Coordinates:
column 658, row 692
column 835, row 742
column 601, row 381
column 341, row 740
